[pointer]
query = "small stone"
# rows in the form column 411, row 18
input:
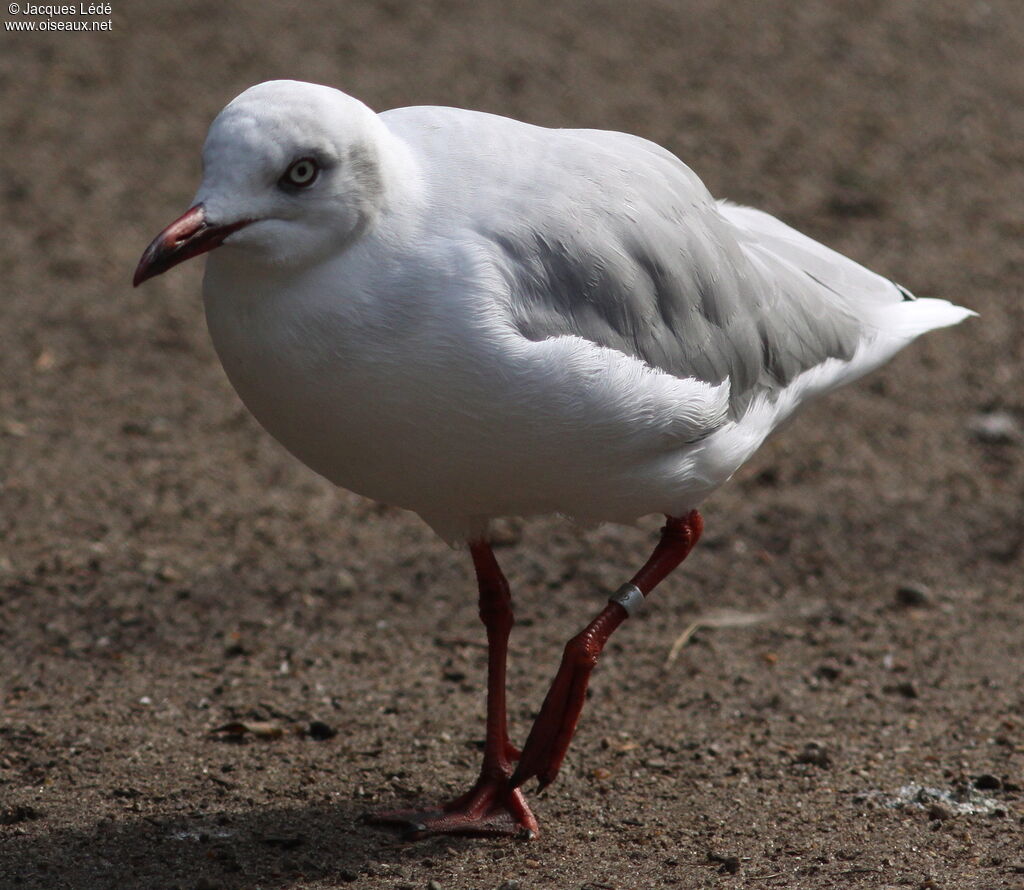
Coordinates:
column 913, row 595
column 828, row 672
column 344, row 582
column 20, row 813
column 907, row 689
column 940, row 812
column 729, row 865
column 284, row 842
column 168, row 573
column 987, row 782
column 995, row 428
column 815, row 754
column 508, row 885
column 433, row 885
column 319, row 731
column 45, row 360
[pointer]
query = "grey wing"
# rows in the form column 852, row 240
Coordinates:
column 625, row 247
column 763, row 234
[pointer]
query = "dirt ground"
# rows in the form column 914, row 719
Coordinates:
column 850, row 711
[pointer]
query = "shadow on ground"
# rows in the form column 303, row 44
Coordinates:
column 266, row 847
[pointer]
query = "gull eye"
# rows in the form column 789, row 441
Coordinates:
column 301, row 173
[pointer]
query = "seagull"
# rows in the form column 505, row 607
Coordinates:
column 472, row 317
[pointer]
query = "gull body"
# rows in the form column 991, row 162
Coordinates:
column 397, row 333
column 472, row 317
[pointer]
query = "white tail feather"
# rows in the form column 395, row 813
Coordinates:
column 912, row 318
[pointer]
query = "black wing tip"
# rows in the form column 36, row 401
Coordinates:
column 908, row 297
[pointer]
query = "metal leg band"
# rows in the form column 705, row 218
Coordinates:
column 629, row 597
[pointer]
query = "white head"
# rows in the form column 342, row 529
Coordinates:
column 291, row 172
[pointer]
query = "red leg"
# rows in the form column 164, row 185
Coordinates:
column 554, row 727
column 491, row 806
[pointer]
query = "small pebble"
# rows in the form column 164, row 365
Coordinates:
column 45, row 360
column 729, row 865
column 319, row 731
column 911, row 595
column 906, row 689
column 285, row 842
column 995, row 428
column 987, row 782
column 345, row 582
column 940, row 812
column 815, row 754
column 20, row 813
column 828, row 672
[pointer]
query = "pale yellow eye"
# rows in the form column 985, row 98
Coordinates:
column 301, row 173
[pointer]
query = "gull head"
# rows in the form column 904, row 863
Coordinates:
column 291, row 173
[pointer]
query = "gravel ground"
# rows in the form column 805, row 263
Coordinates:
column 848, row 713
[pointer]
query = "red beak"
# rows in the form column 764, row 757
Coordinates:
column 188, row 236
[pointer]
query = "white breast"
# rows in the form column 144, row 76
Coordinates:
column 437, row 407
